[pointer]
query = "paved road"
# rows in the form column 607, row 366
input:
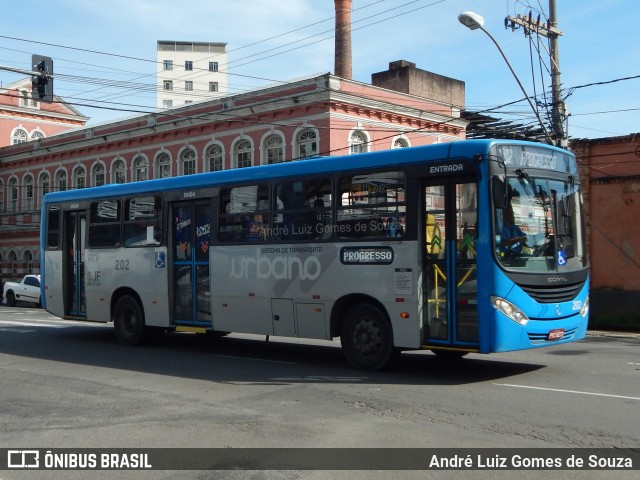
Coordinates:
column 72, row 385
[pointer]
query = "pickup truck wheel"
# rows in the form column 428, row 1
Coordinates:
column 11, row 299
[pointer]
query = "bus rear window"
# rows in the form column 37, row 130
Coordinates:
column 372, row 206
column 104, row 225
column 53, row 228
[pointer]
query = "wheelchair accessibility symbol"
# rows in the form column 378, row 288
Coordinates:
column 562, row 258
column 160, row 260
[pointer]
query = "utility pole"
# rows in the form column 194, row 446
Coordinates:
column 550, row 31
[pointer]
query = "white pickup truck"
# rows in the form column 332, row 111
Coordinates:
column 27, row 290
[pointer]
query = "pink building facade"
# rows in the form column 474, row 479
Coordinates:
column 611, row 176
column 24, row 119
column 324, row 115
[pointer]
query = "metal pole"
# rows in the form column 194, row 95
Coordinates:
column 558, row 107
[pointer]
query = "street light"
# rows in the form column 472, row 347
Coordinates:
column 473, row 21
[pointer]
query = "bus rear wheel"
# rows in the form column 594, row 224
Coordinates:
column 367, row 338
column 128, row 321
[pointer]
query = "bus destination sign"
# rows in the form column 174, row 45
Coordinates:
column 519, row 156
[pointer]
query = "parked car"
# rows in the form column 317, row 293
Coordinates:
column 27, row 290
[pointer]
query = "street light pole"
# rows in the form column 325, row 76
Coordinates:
column 473, row 21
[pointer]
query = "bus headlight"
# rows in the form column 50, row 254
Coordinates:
column 585, row 308
column 510, row 310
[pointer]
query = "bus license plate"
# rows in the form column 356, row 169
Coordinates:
column 556, row 334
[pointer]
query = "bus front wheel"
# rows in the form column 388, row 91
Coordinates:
column 128, row 321
column 367, row 338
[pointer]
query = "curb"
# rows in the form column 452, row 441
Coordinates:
column 609, row 333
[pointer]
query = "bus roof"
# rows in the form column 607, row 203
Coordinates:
column 311, row 166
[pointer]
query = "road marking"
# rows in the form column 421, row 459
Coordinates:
column 567, row 391
column 16, row 330
column 31, row 324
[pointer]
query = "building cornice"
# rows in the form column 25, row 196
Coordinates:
column 267, row 106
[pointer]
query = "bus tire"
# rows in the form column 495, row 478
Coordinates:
column 367, row 338
column 128, row 321
column 11, row 299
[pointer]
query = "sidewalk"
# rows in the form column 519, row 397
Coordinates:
column 612, row 333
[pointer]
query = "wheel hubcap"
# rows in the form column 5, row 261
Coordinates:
column 366, row 337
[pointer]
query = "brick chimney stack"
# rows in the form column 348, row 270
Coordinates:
column 343, row 39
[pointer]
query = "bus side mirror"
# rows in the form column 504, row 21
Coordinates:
column 499, row 193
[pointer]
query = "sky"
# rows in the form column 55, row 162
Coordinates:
column 104, row 52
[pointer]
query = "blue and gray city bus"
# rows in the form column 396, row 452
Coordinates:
column 388, row 251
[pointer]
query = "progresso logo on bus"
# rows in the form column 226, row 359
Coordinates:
column 366, row 255
column 532, row 157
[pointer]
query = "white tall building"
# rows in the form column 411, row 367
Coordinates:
column 189, row 72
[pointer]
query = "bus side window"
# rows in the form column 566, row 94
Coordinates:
column 142, row 226
column 104, row 224
column 372, row 205
column 303, row 210
column 244, row 214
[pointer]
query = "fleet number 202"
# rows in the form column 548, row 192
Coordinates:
column 122, row 264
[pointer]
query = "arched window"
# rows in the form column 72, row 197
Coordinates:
column 13, row 195
column 61, row 180
column 79, row 177
column 44, row 183
column 97, row 175
column 163, row 166
column 141, row 169
column 37, row 135
column 28, row 261
column 188, row 161
column 358, row 142
column 215, row 156
column 307, row 144
column 28, row 200
column 19, row 136
column 244, row 154
column 1, row 196
column 400, row 142
column 13, row 264
column 119, row 172
column 273, row 149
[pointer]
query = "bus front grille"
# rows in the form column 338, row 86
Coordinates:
column 553, row 294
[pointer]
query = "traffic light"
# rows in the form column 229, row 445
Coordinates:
column 42, row 80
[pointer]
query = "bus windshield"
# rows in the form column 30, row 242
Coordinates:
column 538, row 228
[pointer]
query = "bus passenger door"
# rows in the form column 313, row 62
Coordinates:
column 191, row 232
column 73, row 270
column 450, row 286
